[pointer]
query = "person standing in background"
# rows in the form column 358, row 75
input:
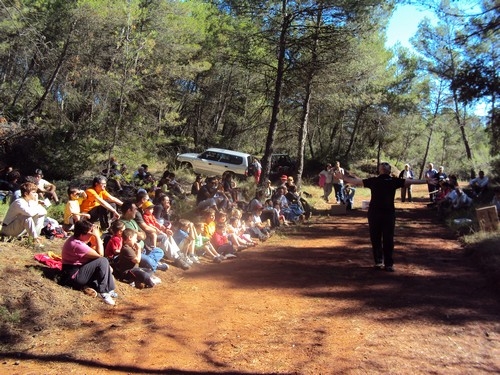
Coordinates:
column 431, row 174
column 382, row 213
column 326, row 181
column 405, row 174
column 338, row 184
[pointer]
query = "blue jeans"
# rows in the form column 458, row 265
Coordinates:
column 338, row 192
column 151, row 257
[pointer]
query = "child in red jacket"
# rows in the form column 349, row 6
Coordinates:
column 221, row 242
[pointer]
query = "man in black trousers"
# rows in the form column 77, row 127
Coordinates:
column 382, row 213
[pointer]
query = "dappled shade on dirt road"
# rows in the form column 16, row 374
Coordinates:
column 305, row 302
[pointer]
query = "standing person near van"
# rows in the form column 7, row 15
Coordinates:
column 255, row 170
column 382, row 213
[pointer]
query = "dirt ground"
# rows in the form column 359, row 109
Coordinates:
column 305, row 302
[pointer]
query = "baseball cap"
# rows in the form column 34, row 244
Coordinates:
column 147, row 205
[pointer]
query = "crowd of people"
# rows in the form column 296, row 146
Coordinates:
column 111, row 238
column 132, row 239
column 446, row 194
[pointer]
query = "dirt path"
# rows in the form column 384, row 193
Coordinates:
column 307, row 303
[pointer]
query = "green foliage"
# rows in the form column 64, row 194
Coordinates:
column 3, row 209
column 144, row 80
column 7, row 316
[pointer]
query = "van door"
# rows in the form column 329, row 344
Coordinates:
column 209, row 163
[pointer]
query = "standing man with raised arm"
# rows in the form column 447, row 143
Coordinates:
column 382, row 213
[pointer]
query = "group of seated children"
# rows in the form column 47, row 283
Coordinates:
column 136, row 237
column 142, row 236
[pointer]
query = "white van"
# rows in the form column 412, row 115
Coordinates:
column 216, row 161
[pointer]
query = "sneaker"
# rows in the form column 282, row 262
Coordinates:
column 106, row 297
column 389, row 268
column 181, row 263
column 155, row 279
column 230, row 256
column 186, row 259
column 193, row 258
column 89, row 291
column 132, row 284
column 162, row 266
column 113, row 294
column 379, row 266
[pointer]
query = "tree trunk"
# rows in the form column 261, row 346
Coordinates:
column 461, row 124
column 266, row 160
column 52, row 79
column 432, row 121
column 306, row 106
column 353, row 134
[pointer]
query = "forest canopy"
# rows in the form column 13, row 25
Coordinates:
column 83, row 80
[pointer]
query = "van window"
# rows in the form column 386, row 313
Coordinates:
column 210, row 155
column 231, row 159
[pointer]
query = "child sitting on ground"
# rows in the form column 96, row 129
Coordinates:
column 348, row 195
column 185, row 236
column 221, row 243
column 239, row 228
column 203, row 246
column 275, row 209
column 209, row 220
column 237, row 242
column 72, row 212
column 114, row 244
column 127, row 265
column 256, row 227
column 150, row 219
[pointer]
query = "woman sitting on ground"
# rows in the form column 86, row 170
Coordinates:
column 85, row 268
column 196, row 186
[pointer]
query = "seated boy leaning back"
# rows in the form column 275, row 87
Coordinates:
column 127, row 264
